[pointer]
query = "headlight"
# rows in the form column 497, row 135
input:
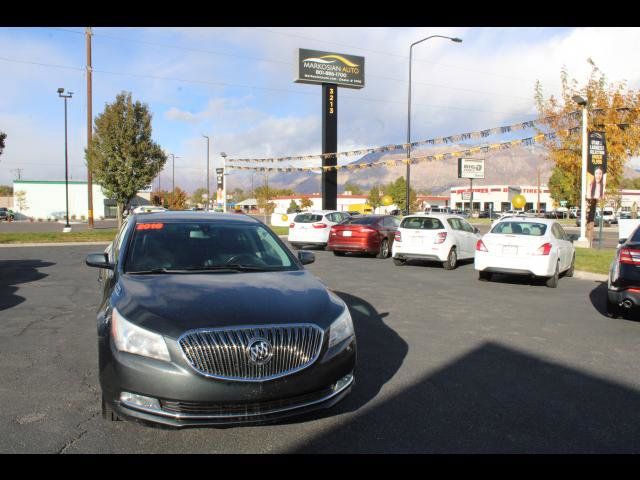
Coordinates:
column 341, row 328
column 133, row 339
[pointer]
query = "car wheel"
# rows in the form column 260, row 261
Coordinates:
column 552, row 282
column 572, row 267
column 338, row 254
column 452, row 260
column 384, row 249
column 399, row 261
column 484, row 276
column 108, row 413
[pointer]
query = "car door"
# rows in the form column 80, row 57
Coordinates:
column 460, row 236
column 567, row 246
column 471, row 237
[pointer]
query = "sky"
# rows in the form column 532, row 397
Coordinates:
column 236, row 86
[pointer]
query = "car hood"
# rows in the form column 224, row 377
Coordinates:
column 173, row 303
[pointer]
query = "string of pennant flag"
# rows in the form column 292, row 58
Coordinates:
column 575, row 116
column 414, row 159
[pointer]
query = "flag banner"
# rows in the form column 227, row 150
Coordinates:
column 596, row 165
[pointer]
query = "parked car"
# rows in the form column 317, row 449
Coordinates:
column 396, row 212
column 623, row 285
column 371, row 234
column 312, row 228
column 597, row 219
column 489, row 214
column 609, row 216
column 441, row 238
column 210, row 319
column 7, row 214
column 574, row 212
column 526, row 246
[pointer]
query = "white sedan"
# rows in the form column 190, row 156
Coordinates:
column 443, row 238
column 526, row 246
column 313, row 228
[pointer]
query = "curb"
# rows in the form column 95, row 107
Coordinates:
column 598, row 277
column 45, row 244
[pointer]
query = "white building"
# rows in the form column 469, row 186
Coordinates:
column 499, row 197
column 46, row 199
column 343, row 201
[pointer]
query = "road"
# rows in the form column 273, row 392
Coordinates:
column 447, row 364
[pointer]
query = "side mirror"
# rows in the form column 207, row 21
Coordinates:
column 621, row 241
column 475, row 229
column 99, row 260
column 573, row 237
column 306, row 257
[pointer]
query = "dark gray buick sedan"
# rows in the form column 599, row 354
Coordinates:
column 209, row 319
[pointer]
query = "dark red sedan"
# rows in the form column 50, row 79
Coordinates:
column 371, row 234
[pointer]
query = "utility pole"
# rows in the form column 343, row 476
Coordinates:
column 18, row 171
column 538, row 206
column 208, row 189
column 89, row 125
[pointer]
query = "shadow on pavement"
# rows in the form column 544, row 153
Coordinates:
column 14, row 272
column 494, row 399
column 376, row 341
column 598, row 297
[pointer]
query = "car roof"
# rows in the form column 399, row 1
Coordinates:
column 191, row 215
column 319, row 212
column 435, row 215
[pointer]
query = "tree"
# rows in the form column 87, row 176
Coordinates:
column 398, row 191
column 612, row 108
column 3, row 137
column 6, row 190
column 122, row 156
column 21, row 200
column 160, row 198
column 375, row 194
column 199, row 196
column 305, row 203
column 564, row 185
column 353, row 188
column 630, row 183
column 238, row 195
column 177, row 199
column 293, row 207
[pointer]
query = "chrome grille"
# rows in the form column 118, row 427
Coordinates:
column 224, row 352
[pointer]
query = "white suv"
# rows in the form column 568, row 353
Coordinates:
column 441, row 238
column 313, row 228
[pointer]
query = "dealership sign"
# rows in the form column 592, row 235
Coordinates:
column 326, row 67
column 470, row 168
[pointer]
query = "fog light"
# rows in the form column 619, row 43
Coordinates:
column 343, row 382
column 136, row 400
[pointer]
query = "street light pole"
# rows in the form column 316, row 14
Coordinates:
column 208, row 190
column 583, row 241
column 457, row 40
column 173, row 178
column 67, row 227
column 224, row 182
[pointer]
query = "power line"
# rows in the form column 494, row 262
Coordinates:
column 401, row 80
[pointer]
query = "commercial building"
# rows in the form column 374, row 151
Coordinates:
column 45, row 199
column 498, row 197
column 344, row 201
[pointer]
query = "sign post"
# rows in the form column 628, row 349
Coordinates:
column 596, row 177
column 470, row 168
column 330, row 70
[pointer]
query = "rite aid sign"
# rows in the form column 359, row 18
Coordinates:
column 470, row 168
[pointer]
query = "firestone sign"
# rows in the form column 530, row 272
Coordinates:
column 325, row 67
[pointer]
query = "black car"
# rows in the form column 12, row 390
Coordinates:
column 623, row 292
column 209, row 319
column 6, row 214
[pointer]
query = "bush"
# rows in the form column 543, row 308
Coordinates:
column 39, row 219
column 73, row 217
column 83, row 218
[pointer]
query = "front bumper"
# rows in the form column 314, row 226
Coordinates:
column 188, row 398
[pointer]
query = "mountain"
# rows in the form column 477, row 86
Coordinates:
column 514, row 166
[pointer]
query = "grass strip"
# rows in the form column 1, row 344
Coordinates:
column 594, row 260
column 97, row 235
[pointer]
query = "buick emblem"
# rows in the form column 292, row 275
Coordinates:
column 260, row 351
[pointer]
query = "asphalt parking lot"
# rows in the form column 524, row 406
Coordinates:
column 447, row 364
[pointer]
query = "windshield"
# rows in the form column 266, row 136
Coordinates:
column 520, row 228
column 307, row 218
column 422, row 223
column 196, row 246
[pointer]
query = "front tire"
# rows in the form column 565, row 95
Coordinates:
column 552, row 282
column 572, row 267
column 108, row 413
column 452, row 260
column 384, row 249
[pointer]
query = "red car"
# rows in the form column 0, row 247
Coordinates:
column 371, row 234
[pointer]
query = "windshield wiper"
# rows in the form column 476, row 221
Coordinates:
column 233, row 266
column 153, row 270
